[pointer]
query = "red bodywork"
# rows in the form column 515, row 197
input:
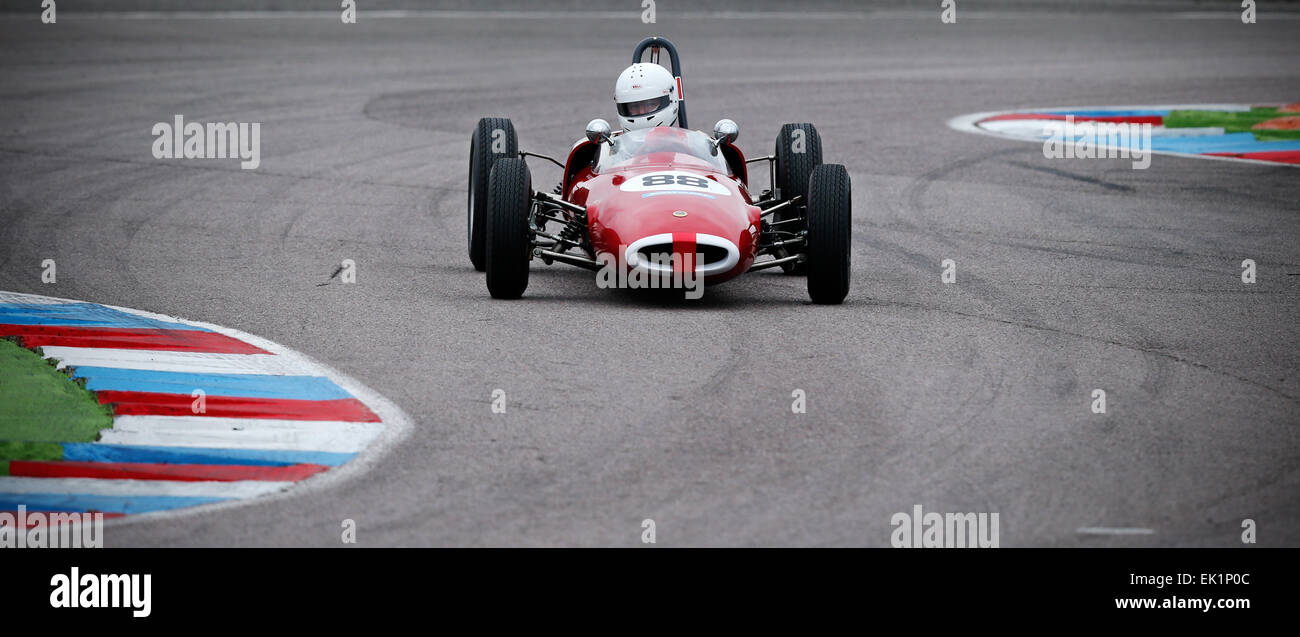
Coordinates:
column 664, row 190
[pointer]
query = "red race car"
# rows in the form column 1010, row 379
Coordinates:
column 664, row 207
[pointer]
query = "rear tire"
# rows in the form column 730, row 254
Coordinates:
column 481, row 158
column 798, row 152
column 508, row 244
column 830, row 228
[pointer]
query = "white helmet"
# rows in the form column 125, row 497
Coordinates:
column 646, row 96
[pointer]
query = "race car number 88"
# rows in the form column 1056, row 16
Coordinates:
column 681, row 180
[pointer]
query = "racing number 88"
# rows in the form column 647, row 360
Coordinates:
column 681, row 180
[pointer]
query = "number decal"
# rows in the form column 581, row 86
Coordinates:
column 681, row 180
column 670, row 182
column 657, row 180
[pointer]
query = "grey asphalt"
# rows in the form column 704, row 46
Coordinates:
column 1072, row 275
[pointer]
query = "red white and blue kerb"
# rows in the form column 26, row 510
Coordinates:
column 272, row 416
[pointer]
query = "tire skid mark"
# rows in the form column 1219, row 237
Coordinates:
column 1104, row 341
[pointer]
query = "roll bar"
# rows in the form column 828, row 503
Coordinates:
column 658, row 43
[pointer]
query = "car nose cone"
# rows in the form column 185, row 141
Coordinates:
column 717, row 255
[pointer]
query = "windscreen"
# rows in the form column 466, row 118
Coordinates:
column 662, row 145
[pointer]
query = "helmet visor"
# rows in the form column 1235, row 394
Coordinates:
column 643, row 107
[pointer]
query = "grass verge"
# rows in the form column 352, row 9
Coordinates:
column 40, row 405
column 1233, row 122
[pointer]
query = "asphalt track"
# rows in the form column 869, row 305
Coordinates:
column 1072, row 275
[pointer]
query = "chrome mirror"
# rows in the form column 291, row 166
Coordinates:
column 598, row 131
column 726, row 131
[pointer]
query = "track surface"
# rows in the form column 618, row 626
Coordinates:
column 1072, row 275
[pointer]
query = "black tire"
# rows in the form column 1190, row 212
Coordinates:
column 508, row 248
column 830, row 228
column 793, row 168
column 481, row 159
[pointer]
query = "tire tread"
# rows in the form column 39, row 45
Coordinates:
column 830, row 228
column 481, row 162
column 510, row 189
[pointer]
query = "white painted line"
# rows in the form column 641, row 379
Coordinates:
column 163, row 361
column 241, row 433
column 31, row 299
column 1106, row 530
column 94, row 486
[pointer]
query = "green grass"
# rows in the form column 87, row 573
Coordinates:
column 1232, row 122
column 21, row 450
column 1276, row 135
column 40, row 404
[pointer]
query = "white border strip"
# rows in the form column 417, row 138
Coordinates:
column 168, row 361
column 1108, row 530
column 967, row 124
column 242, row 433
column 143, row 488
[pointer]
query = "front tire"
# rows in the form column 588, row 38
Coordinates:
column 830, row 228
column 493, row 139
column 508, row 241
column 798, row 152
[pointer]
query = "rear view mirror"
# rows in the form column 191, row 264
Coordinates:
column 598, row 130
column 726, row 131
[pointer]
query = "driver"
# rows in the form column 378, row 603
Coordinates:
column 646, row 97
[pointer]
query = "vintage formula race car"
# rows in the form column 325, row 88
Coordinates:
column 670, row 206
